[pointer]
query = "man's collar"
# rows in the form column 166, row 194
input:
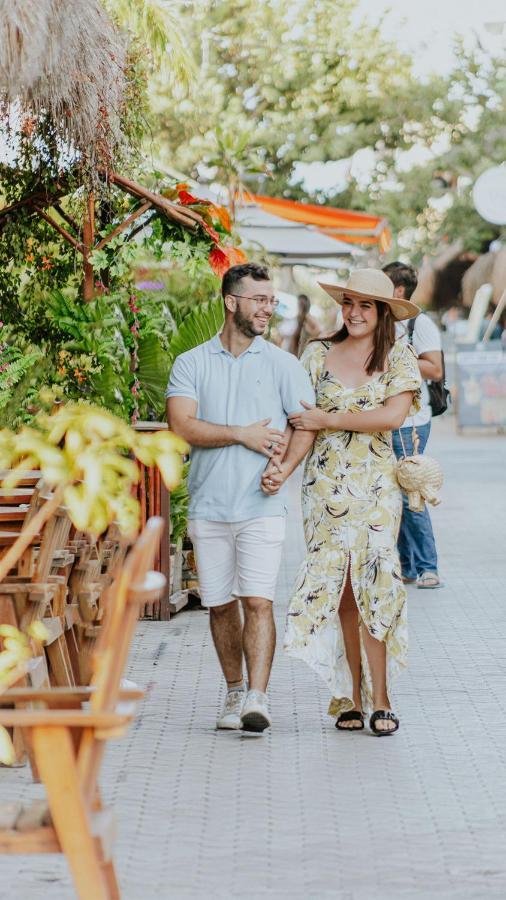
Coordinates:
column 215, row 345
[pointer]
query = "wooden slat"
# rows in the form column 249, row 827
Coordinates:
column 9, row 813
column 15, row 495
column 42, row 840
column 12, row 514
column 61, row 717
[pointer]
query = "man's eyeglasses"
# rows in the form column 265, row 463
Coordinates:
column 259, row 301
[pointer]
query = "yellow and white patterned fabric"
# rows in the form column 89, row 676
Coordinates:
column 352, row 507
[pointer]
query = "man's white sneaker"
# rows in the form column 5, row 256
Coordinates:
column 231, row 713
column 255, row 714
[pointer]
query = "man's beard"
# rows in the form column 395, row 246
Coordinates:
column 244, row 325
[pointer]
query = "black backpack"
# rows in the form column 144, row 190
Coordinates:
column 439, row 395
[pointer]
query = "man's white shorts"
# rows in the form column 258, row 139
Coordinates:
column 237, row 558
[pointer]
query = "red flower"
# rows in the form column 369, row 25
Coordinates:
column 185, row 198
column 222, row 258
column 211, row 232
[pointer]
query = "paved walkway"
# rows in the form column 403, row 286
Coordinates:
column 307, row 813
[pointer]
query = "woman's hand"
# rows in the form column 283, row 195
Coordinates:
column 273, row 478
column 313, row 419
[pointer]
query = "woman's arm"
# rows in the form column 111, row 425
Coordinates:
column 388, row 417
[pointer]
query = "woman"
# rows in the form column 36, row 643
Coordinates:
column 347, row 618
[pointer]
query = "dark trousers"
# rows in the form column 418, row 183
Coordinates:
column 416, row 544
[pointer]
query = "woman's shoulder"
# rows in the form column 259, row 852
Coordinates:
column 401, row 352
column 315, row 349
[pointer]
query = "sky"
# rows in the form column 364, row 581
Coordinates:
column 426, row 27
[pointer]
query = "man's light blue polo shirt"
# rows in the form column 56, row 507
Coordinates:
column 264, row 382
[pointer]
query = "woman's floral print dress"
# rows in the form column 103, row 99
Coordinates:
column 352, row 507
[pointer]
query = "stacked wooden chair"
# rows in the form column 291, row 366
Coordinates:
column 60, row 580
column 68, row 727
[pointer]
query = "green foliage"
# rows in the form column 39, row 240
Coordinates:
column 15, row 372
column 430, row 204
column 200, row 325
column 179, row 502
column 302, row 82
column 158, row 26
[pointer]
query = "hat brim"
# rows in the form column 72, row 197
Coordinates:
column 401, row 309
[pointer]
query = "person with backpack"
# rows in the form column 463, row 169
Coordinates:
column 416, row 543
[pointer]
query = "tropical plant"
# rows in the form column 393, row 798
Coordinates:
column 14, row 656
column 14, row 367
column 200, row 325
column 158, row 25
column 82, row 452
column 179, row 502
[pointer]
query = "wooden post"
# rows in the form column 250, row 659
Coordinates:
column 155, row 501
column 88, row 241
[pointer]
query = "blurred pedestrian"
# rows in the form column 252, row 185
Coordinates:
column 307, row 326
column 416, row 542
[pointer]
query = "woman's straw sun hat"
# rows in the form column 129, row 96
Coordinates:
column 372, row 284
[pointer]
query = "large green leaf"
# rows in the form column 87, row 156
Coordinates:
column 155, row 362
column 198, row 326
column 153, row 372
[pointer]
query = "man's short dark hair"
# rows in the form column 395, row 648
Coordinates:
column 402, row 275
column 234, row 275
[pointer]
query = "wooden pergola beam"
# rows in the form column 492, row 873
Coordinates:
column 59, row 228
column 128, row 221
column 68, row 219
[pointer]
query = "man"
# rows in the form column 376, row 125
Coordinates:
column 416, row 544
column 230, row 399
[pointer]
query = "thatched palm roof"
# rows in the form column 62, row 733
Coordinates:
column 64, row 60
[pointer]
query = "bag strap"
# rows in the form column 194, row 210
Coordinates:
column 415, row 441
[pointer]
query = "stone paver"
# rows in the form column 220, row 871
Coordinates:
column 307, row 813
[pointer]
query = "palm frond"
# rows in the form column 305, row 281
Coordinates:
column 153, row 373
column 200, row 325
column 157, row 24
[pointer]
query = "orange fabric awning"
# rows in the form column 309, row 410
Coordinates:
column 342, row 224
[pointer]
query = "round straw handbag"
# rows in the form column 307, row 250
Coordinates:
column 419, row 476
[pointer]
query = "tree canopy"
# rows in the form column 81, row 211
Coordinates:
column 279, row 82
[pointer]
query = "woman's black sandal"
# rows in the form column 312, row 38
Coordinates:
column 383, row 715
column 353, row 715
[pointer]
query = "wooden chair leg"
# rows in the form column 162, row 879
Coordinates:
column 55, row 756
column 59, row 663
column 112, row 882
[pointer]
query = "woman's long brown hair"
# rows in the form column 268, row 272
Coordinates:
column 384, row 338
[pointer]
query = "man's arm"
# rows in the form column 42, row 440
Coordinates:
column 431, row 365
column 198, row 433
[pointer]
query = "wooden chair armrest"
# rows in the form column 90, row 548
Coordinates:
column 63, row 718
column 29, row 587
column 59, row 695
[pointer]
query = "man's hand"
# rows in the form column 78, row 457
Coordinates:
column 274, row 477
column 313, row 419
column 260, row 438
